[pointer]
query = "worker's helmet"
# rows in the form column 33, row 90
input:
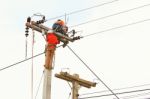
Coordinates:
column 59, row 26
column 61, row 22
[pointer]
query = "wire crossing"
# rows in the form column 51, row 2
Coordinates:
column 93, row 72
column 82, row 10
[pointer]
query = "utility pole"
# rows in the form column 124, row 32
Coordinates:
column 75, row 88
column 48, row 73
column 76, row 82
column 47, row 84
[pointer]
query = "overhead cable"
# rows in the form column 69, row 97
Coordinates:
column 118, row 27
column 93, row 72
column 98, row 92
column 107, row 30
column 82, row 10
column 39, row 85
column 125, row 92
column 23, row 60
column 136, row 95
column 104, row 17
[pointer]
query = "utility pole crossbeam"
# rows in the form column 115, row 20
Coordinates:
column 76, row 82
column 39, row 27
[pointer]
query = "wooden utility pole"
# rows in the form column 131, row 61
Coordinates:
column 76, row 82
column 75, row 88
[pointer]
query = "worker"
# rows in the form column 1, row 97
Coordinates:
column 52, row 41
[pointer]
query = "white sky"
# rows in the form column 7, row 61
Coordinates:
column 119, row 57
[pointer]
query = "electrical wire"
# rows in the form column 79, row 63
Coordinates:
column 39, row 85
column 115, row 89
column 125, row 92
column 107, row 30
column 136, row 95
column 33, row 36
column 145, row 98
column 82, row 10
column 93, row 72
column 114, row 28
column 69, row 95
column 26, row 48
column 24, row 60
column 21, row 61
column 69, row 85
column 38, row 14
column 71, row 90
column 104, row 17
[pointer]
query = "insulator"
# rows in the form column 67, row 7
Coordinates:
column 27, row 28
column 26, row 31
column 76, row 38
column 26, row 34
column 29, row 19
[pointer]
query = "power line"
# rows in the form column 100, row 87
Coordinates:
column 21, row 61
column 84, row 37
column 115, row 89
column 136, row 95
column 93, row 72
column 114, row 28
column 24, row 60
column 125, row 11
column 126, row 92
column 69, row 95
column 39, row 85
column 82, row 10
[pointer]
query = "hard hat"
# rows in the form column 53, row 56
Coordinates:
column 60, row 22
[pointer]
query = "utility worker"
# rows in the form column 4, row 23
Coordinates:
column 52, row 41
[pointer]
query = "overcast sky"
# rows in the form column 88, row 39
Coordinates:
column 120, row 57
